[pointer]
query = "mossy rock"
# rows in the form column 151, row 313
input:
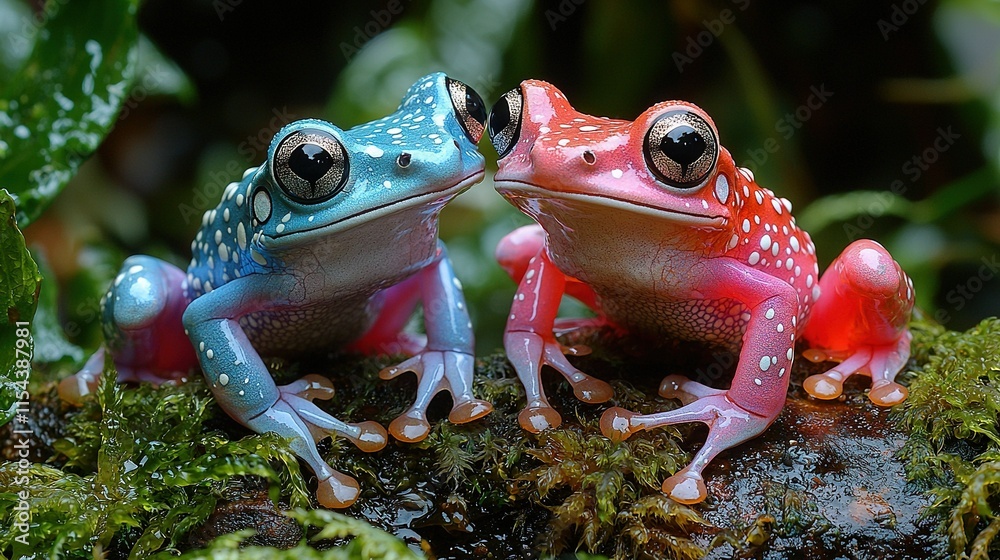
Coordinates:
column 143, row 470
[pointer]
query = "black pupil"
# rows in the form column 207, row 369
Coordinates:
column 499, row 116
column 683, row 145
column 474, row 106
column 310, row 161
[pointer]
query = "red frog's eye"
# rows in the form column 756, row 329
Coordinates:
column 681, row 148
column 505, row 121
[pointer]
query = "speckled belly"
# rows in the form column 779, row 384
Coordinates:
column 307, row 329
column 720, row 321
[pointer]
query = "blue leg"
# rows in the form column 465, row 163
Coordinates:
column 141, row 313
column 446, row 364
column 245, row 390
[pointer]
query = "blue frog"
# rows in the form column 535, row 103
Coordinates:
column 328, row 245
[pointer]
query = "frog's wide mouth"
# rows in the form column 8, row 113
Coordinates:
column 513, row 189
column 376, row 212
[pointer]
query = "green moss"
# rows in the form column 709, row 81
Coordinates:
column 141, row 469
column 954, row 447
column 365, row 542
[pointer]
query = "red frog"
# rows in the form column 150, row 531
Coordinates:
column 651, row 224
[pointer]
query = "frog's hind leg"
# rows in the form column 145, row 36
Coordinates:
column 141, row 313
column 528, row 337
column 728, row 425
column 860, row 321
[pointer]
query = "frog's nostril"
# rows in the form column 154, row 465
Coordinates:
column 589, row 157
column 505, row 121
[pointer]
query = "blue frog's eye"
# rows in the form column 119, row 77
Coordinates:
column 310, row 165
column 469, row 108
column 681, row 148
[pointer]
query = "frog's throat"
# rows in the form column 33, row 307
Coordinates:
column 520, row 189
column 343, row 224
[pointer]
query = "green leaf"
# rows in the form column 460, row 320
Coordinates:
column 19, row 285
column 66, row 98
column 51, row 345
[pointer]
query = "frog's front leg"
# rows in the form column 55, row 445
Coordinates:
column 447, row 362
column 757, row 393
column 529, row 339
column 860, row 321
column 245, row 390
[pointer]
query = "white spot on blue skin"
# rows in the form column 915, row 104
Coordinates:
column 119, row 278
column 209, row 354
column 241, row 237
column 239, row 200
column 218, row 236
column 135, row 269
column 387, row 184
column 223, row 253
column 257, row 257
column 223, row 380
column 201, row 346
column 249, row 172
column 374, row 151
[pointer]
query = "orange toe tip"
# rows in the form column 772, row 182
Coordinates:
column 815, row 355
column 616, row 423
column 823, row 386
column 337, row 492
column 389, row 372
column 319, row 387
column 888, row 394
column 469, row 411
column 74, row 388
column 410, row 429
column 372, row 436
column 593, row 391
column 685, row 487
column 670, row 387
column 538, row 418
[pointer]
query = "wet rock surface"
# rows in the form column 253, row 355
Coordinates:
column 826, row 473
